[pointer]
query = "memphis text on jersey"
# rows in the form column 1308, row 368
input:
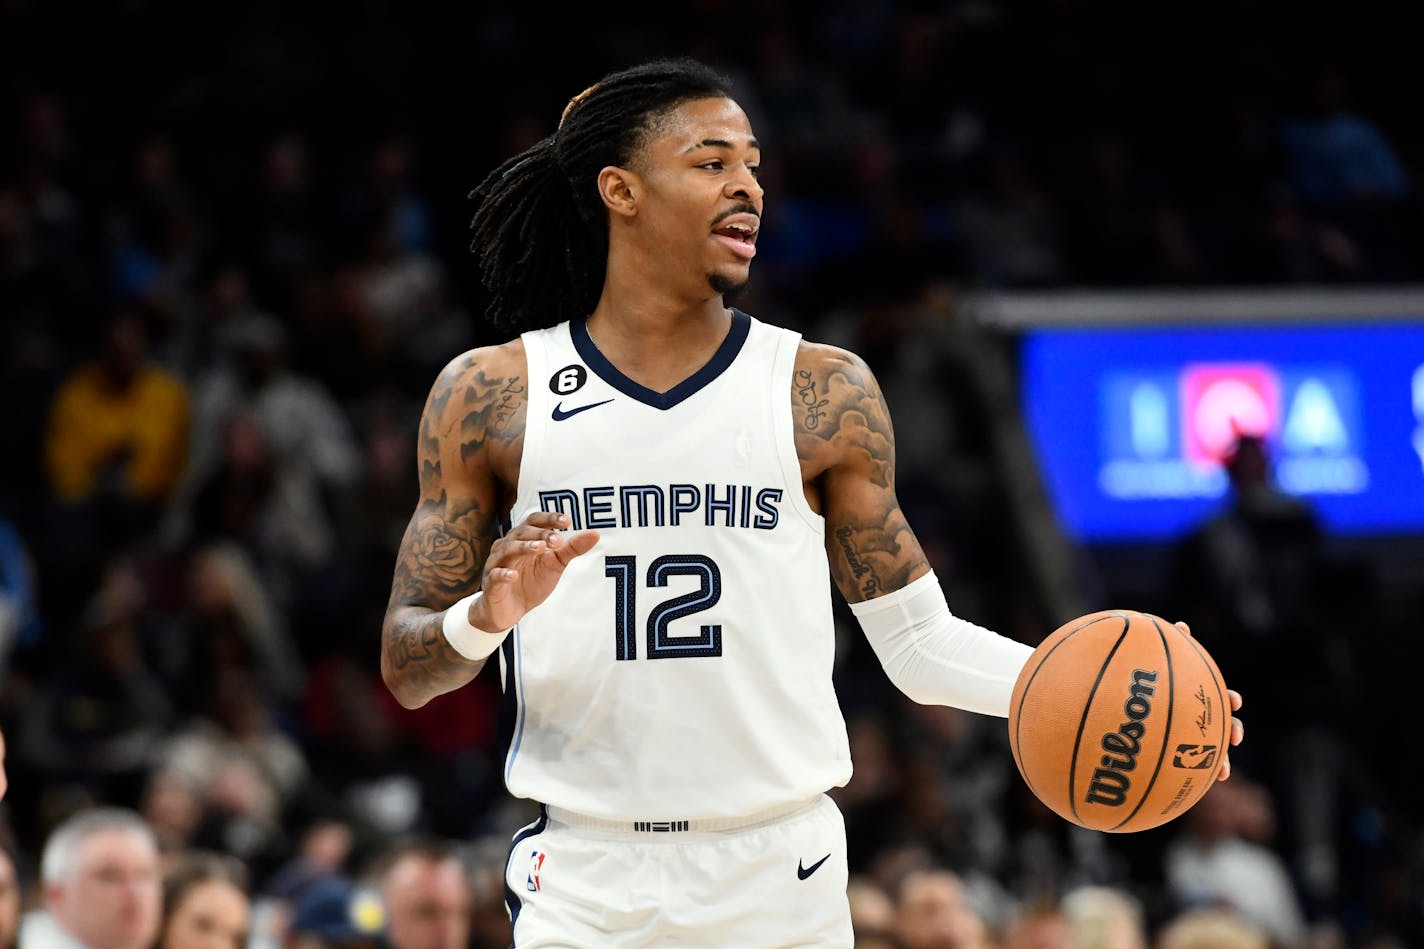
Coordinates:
column 651, row 505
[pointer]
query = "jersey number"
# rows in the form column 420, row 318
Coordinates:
column 624, row 571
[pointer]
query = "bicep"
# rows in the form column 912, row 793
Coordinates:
column 443, row 550
column 869, row 543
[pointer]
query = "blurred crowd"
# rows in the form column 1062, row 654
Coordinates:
column 231, row 264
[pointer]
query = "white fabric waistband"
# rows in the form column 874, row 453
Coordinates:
column 691, row 825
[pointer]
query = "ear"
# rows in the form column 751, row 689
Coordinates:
column 54, row 897
column 620, row 190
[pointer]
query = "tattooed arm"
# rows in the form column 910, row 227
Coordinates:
column 847, row 450
column 445, row 546
column 471, row 435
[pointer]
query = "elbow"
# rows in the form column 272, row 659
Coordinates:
column 407, row 697
column 916, row 694
column 400, row 685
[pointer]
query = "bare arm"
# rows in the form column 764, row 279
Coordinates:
column 847, row 448
column 443, row 552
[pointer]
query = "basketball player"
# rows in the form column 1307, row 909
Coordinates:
column 667, row 477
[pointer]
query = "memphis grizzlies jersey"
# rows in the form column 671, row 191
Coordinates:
column 682, row 667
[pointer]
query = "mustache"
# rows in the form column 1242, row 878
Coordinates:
column 737, row 209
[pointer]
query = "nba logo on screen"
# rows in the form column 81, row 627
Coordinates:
column 1221, row 402
column 536, row 863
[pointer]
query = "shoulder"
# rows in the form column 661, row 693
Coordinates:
column 162, row 382
column 830, row 380
column 479, row 398
column 476, row 366
column 838, row 413
column 821, row 359
column 478, row 374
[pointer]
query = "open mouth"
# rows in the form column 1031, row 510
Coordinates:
column 739, row 236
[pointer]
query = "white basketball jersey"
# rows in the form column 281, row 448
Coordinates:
column 682, row 668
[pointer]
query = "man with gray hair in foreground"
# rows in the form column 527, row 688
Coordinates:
column 102, row 884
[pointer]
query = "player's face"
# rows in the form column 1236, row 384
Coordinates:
column 703, row 207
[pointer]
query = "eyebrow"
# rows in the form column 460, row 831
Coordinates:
column 719, row 143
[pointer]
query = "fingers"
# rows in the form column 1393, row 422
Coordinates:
column 1238, row 728
column 568, row 547
column 534, row 535
column 541, row 521
column 1182, row 625
column 1238, row 733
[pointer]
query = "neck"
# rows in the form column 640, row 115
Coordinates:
column 657, row 342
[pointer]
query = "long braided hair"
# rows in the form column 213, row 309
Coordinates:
column 540, row 228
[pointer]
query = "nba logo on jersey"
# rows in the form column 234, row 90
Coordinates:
column 536, row 860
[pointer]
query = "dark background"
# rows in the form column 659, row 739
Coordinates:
column 265, row 205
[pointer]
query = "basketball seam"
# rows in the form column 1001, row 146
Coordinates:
column 1014, row 740
column 1166, row 730
column 1083, row 722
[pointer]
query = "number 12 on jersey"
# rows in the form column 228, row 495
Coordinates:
column 661, row 645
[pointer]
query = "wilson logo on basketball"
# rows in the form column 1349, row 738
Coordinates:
column 1110, row 782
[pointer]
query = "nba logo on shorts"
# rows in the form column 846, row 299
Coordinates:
column 536, row 860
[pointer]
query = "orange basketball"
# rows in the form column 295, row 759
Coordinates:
column 1118, row 721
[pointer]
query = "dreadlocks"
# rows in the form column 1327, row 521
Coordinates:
column 540, row 228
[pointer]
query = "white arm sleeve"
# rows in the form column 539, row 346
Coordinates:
column 936, row 658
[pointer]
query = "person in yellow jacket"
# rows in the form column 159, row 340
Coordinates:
column 118, row 424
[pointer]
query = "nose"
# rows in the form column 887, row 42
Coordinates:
column 745, row 187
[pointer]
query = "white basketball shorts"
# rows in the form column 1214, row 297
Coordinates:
column 771, row 882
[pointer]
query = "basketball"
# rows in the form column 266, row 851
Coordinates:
column 1118, row 721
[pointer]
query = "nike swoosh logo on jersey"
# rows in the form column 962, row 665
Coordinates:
column 560, row 414
column 803, row 872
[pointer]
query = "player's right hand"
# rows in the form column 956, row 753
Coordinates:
column 523, row 566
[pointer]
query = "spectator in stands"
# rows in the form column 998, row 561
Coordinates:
column 119, row 424
column 1011, row 230
column 243, row 769
column 1212, row 863
column 115, row 446
column 935, row 913
column 285, row 224
column 872, row 914
column 205, row 903
column 95, row 725
column 427, row 891
column 1348, row 172
column 333, row 913
column 1103, row 917
column 9, row 884
column 102, row 885
column 19, row 616
column 1211, row 929
column 1038, row 927
column 296, row 468
column 228, row 622
column 1275, row 609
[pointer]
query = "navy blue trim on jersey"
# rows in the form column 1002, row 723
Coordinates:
column 511, row 899
column 609, row 373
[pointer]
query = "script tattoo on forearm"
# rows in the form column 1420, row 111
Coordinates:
column 442, row 554
column 877, row 556
column 870, row 546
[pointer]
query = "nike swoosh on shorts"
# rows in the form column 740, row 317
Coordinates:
column 803, row 872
